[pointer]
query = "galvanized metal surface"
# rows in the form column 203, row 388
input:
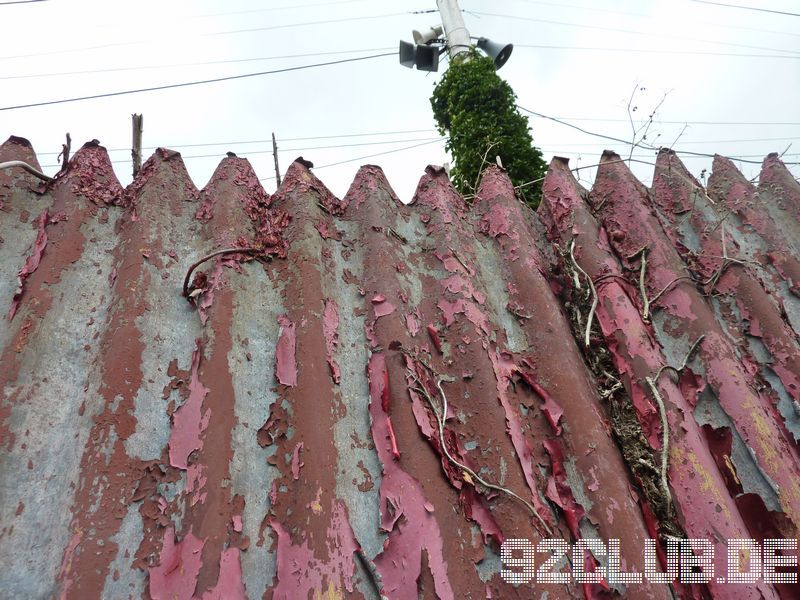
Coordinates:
column 283, row 435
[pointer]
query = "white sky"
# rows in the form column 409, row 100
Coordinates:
column 682, row 47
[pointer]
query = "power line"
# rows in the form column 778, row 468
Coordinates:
column 630, row 143
column 603, row 120
column 193, row 64
column 766, row 10
column 645, row 16
column 251, row 152
column 274, row 8
column 213, row 33
column 629, row 31
column 192, row 83
column 21, row 2
column 341, row 162
column 656, row 51
column 269, row 141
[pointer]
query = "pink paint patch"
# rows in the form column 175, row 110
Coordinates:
column 285, row 362
column 302, row 575
column 412, row 324
column 437, row 342
column 552, row 410
column 229, row 584
column 207, row 297
column 189, row 422
column 402, row 495
column 296, row 462
column 451, row 309
column 31, row 264
column 381, row 306
column 559, row 491
column 175, row 577
column 330, row 328
column 237, row 523
column 66, row 563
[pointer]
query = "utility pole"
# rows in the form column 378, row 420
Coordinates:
column 137, row 121
column 275, row 157
column 458, row 40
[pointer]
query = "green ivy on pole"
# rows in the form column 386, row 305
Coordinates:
column 477, row 110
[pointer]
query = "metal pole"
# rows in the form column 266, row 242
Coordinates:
column 137, row 121
column 275, row 157
column 455, row 31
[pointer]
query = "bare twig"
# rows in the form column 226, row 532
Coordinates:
column 458, row 258
column 63, row 157
column 26, row 167
column 662, row 410
column 483, row 162
column 683, row 364
column 194, row 265
column 586, row 338
column 472, row 476
column 655, row 298
column 642, row 289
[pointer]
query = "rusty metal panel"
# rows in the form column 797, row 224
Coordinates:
column 361, row 398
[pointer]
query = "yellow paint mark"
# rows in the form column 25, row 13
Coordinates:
column 732, row 469
column 332, row 593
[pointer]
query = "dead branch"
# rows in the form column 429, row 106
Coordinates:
column 194, row 265
column 25, row 166
column 469, row 475
column 591, row 287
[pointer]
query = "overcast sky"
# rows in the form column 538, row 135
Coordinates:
column 731, row 78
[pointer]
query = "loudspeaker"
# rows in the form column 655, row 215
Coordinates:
column 422, row 39
column 497, row 51
column 425, row 58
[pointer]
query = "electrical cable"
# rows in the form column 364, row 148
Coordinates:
column 657, row 51
column 766, row 10
column 213, row 33
column 635, row 144
column 192, row 83
column 279, row 140
column 630, row 31
column 192, row 64
column 341, row 162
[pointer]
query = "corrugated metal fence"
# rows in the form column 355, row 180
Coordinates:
column 358, row 395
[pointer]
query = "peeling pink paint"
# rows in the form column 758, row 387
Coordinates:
column 32, row 263
column 551, row 409
column 229, row 585
column 207, row 297
column 175, row 577
column 301, row 574
column 504, row 368
column 330, row 328
column 401, row 495
column 189, row 421
column 381, row 306
column 285, row 361
column 435, row 339
column 413, row 324
column 66, row 564
column 296, row 462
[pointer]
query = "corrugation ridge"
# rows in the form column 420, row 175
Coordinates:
column 64, row 291
column 559, row 377
column 704, row 508
column 315, row 543
column 682, row 317
column 743, row 303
